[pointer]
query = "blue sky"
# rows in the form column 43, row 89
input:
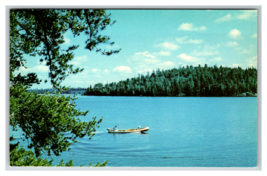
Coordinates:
column 164, row 39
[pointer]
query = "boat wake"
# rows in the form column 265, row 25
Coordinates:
column 98, row 132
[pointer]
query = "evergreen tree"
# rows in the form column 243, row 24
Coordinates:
column 192, row 81
column 44, row 119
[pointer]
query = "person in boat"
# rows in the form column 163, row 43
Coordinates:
column 115, row 128
column 139, row 127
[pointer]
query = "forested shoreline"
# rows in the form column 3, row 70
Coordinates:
column 184, row 81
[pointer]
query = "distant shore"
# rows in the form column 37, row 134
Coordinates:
column 240, row 95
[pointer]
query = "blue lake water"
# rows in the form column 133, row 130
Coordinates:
column 184, row 132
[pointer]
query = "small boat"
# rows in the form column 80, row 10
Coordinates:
column 129, row 130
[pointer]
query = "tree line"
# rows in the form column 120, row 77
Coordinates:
column 184, row 81
column 69, row 91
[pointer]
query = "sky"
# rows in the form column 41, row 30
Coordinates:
column 164, row 39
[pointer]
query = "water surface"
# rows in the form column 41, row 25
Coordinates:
column 184, row 132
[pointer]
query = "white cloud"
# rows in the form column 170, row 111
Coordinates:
column 142, row 64
column 22, row 70
column 235, row 65
column 186, row 57
column 78, row 60
column 206, row 50
column 202, row 28
column 211, row 47
column 144, row 71
column 247, row 14
column 122, row 69
column 95, row 70
column 231, row 44
column 84, row 73
column 235, row 34
column 168, row 63
column 254, row 36
column 37, row 69
column 145, row 54
column 66, row 39
column 184, row 40
column 204, row 53
column 40, row 68
column 92, row 72
column 186, row 27
column 217, row 59
column 252, row 62
column 245, row 51
column 106, row 71
column 181, row 40
column 143, row 58
column 74, row 63
column 195, row 41
column 190, row 27
column 189, row 58
column 168, row 45
column 225, row 18
column 163, row 65
column 164, row 53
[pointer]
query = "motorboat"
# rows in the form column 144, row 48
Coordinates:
column 136, row 130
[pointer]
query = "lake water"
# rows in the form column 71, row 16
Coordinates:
column 183, row 132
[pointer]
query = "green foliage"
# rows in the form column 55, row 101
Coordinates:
column 21, row 157
column 45, row 119
column 40, row 32
column 189, row 81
